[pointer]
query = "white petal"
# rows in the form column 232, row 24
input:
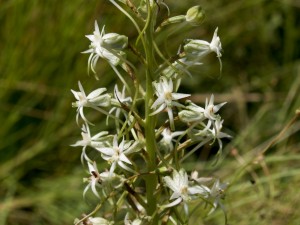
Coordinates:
column 86, row 189
column 123, row 158
column 161, row 108
column 75, row 93
column 93, row 187
column 176, row 202
column 97, row 27
column 93, row 62
column 91, row 37
column 112, row 168
column 96, row 93
column 115, row 141
column 160, row 100
column 106, row 151
column 171, row 118
column 126, row 167
column 100, row 134
column 176, row 96
column 197, row 190
column 217, row 107
column 171, row 184
column 211, row 101
column 175, row 195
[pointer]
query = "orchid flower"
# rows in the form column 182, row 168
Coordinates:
column 88, row 140
column 116, row 154
column 166, row 99
column 107, row 46
column 94, row 100
column 182, row 191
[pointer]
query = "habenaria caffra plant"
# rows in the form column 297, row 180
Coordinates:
column 142, row 179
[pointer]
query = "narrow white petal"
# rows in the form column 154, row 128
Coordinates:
column 211, row 101
column 217, row 107
column 96, row 93
column 197, row 190
column 161, row 108
column 121, row 164
column 90, row 37
column 86, row 189
column 171, row 118
column 112, row 168
column 176, row 96
column 97, row 27
column 100, row 134
column 160, row 100
column 175, row 195
column 124, row 159
column 75, row 93
column 93, row 62
column 115, row 141
column 170, row 183
column 81, row 89
column 93, row 187
column 176, row 202
column 106, row 151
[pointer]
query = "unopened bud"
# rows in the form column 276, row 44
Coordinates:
column 195, row 15
column 189, row 116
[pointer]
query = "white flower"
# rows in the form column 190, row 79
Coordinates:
column 215, row 44
column 182, row 192
column 199, row 48
column 116, row 154
column 166, row 99
column 216, row 194
column 167, row 139
column 101, row 179
column 107, row 46
column 216, row 132
column 211, row 109
column 94, row 180
column 88, row 140
column 120, row 97
column 94, row 100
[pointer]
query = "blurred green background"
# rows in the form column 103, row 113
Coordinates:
column 40, row 61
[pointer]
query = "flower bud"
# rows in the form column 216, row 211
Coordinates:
column 163, row 170
column 114, row 41
column 195, row 15
column 189, row 116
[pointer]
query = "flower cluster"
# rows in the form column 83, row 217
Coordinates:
column 151, row 127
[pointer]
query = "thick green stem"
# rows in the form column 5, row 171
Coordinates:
column 151, row 180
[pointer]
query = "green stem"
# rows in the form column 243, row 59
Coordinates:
column 151, row 179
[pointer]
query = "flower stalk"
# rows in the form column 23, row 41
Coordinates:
column 151, row 180
column 144, row 180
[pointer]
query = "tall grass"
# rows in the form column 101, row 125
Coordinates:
column 40, row 62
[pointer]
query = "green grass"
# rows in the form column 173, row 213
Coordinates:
column 40, row 61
